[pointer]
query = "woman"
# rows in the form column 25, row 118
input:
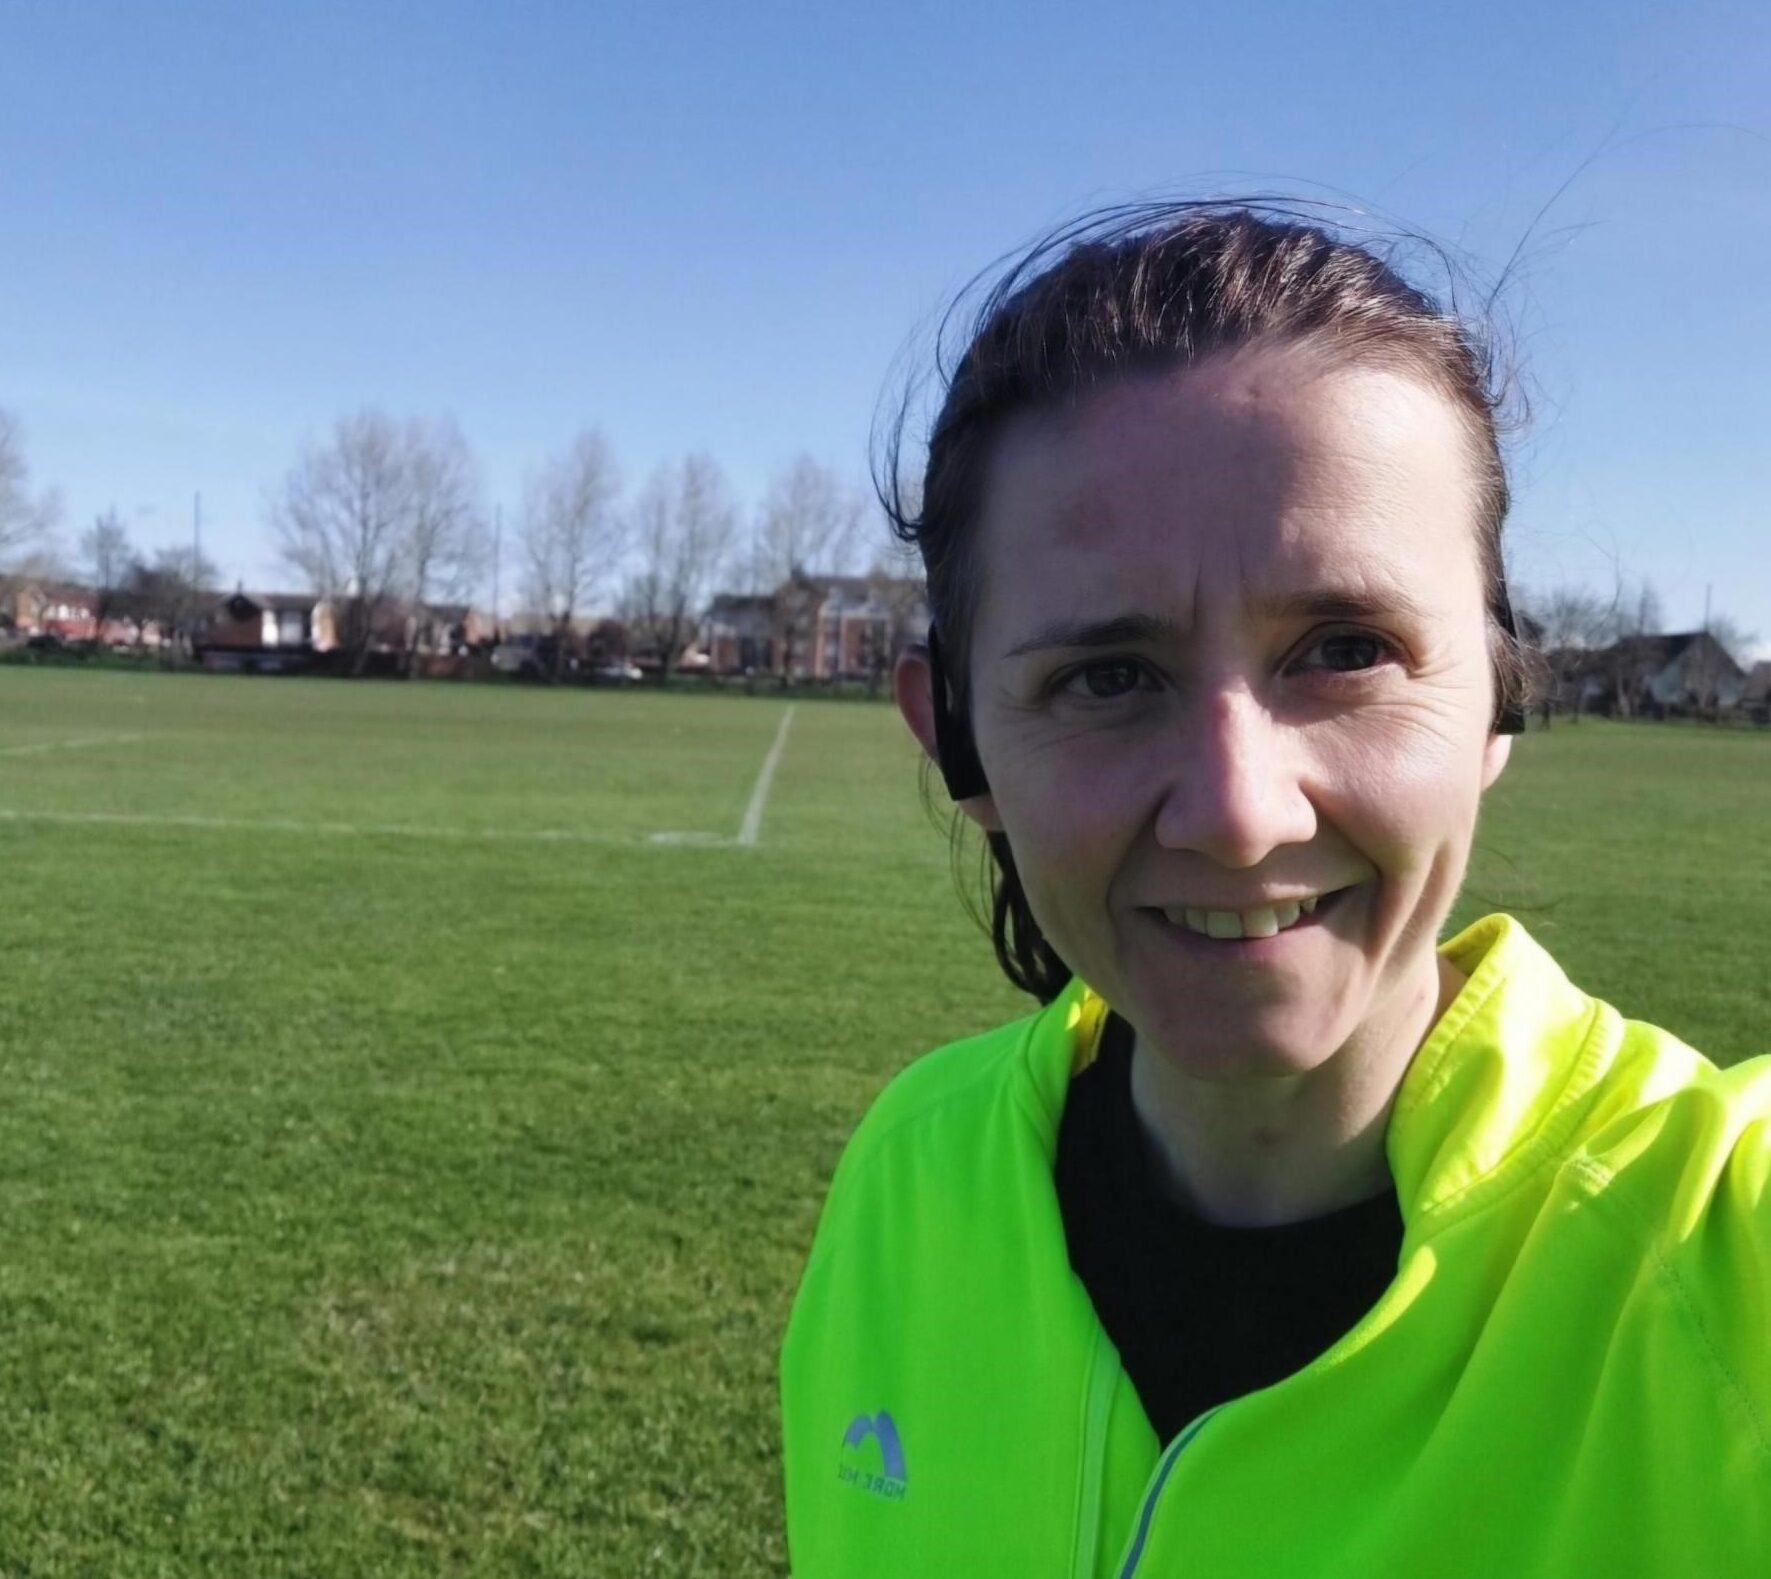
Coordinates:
column 1280, row 1241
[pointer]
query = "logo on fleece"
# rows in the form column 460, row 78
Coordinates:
column 855, row 1467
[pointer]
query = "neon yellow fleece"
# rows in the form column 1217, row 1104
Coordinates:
column 1569, row 1376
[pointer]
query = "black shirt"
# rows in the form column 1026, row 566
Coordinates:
column 1201, row 1314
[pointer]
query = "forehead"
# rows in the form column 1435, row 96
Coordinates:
column 1255, row 477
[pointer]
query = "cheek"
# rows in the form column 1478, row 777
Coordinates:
column 1059, row 825
column 1069, row 826
column 1410, row 799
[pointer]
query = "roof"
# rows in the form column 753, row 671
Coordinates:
column 1651, row 654
column 861, row 586
column 1656, row 650
column 277, row 602
column 741, row 603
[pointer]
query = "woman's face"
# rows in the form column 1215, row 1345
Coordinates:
column 1232, row 691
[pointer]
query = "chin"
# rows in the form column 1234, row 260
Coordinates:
column 1270, row 1046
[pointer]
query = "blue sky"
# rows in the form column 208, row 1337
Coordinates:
column 715, row 227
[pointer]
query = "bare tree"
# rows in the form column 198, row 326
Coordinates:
column 572, row 535
column 1633, row 613
column 343, row 521
column 24, row 520
column 170, row 592
column 105, row 558
column 896, row 584
column 446, row 536
column 683, row 522
column 1641, row 611
column 809, row 524
column 1572, row 623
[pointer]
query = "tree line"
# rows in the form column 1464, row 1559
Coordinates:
column 382, row 513
column 383, row 516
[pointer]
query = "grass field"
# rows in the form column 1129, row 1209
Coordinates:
column 405, row 1163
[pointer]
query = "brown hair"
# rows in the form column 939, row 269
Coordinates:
column 1162, row 286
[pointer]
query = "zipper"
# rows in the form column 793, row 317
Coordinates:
column 1128, row 1564
column 1097, row 1413
column 1134, row 1552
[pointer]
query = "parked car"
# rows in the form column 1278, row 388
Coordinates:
column 619, row 674
column 517, row 657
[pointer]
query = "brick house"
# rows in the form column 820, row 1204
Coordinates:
column 738, row 633
column 861, row 623
column 818, row 627
column 274, row 620
column 267, row 630
column 453, row 628
column 49, row 608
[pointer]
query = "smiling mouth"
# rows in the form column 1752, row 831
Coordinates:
column 1265, row 921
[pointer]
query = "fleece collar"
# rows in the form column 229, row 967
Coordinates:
column 1494, row 1090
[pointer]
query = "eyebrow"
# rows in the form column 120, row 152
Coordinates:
column 1328, row 603
column 1121, row 630
column 1344, row 603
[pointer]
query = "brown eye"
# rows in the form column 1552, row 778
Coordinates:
column 1347, row 652
column 1104, row 680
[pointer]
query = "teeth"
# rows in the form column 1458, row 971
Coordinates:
column 1265, row 921
column 1262, row 923
column 1308, row 906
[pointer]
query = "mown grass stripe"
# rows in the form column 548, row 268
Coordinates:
column 349, row 830
column 37, row 748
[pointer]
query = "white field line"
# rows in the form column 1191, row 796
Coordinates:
column 67, row 745
column 750, row 830
column 355, row 830
column 759, row 797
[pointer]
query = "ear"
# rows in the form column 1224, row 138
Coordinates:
column 912, row 682
column 1494, row 758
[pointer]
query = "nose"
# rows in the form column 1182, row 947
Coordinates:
column 1235, row 789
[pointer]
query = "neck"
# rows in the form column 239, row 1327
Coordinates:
column 1258, row 1153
